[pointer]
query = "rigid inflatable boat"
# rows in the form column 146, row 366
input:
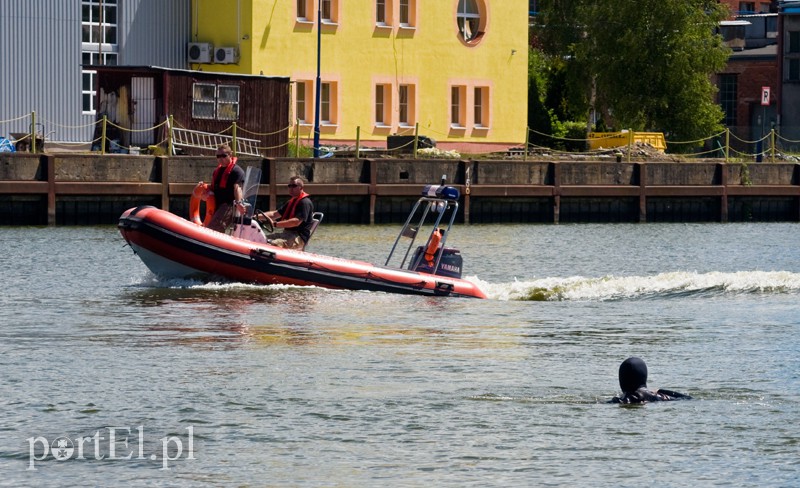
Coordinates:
column 173, row 247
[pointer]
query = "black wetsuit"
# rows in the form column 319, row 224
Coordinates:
column 633, row 381
column 643, row 395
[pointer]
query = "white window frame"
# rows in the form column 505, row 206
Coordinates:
column 383, row 105
column 301, row 101
column 388, row 13
column 458, row 96
column 204, row 95
column 328, row 111
column 481, row 103
column 407, row 14
column 96, row 47
column 465, row 17
column 330, row 12
column 227, row 104
column 407, row 104
column 304, row 11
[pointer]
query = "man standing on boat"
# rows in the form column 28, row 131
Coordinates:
column 226, row 182
column 293, row 218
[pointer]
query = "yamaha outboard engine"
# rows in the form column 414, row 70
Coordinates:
column 449, row 265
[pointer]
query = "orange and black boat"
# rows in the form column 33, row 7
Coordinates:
column 173, row 247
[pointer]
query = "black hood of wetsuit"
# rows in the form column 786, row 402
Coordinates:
column 632, row 375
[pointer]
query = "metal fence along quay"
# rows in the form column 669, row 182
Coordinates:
column 173, row 137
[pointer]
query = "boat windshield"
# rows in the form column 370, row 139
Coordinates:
column 252, row 179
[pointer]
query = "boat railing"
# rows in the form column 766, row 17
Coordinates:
column 419, row 223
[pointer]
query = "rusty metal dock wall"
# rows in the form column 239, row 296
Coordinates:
column 77, row 189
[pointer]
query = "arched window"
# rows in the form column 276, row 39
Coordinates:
column 469, row 19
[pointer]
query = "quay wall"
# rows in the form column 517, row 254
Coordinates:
column 81, row 189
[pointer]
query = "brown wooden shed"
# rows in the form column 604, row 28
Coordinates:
column 139, row 98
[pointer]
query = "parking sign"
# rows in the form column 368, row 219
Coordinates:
column 764, row 95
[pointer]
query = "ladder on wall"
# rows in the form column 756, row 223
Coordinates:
column 208, row 140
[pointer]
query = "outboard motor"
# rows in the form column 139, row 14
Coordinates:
column 450, row 264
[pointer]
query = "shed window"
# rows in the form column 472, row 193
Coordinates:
column 211, row 101
column 204, row 96
column 227, row 102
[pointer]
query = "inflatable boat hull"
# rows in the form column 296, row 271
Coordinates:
column 173, row 247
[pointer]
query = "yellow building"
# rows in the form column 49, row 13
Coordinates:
column 457, row 68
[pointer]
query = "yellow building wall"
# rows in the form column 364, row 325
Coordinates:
column 356, row 54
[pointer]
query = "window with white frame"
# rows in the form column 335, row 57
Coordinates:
column 211, row 101
column 384, row 12
column 458, row 95
column 305, row 10
column 481, row 107
column 408, row 13
column 406, row 105
column 227, row 102
column 383, row 105
column 204, row 97
column 301, row 101
column 328, row 106
column 98, row 45
column 330, row 11
column 469, row 18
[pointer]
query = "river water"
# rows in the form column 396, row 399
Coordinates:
column 239, row 385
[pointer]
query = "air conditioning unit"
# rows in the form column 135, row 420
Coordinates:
column 200, row 52
column 225, row 55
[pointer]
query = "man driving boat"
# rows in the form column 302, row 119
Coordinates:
column 293, row 218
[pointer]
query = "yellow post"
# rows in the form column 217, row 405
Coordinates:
column 170, row 147
column 33, row 131
column 727, row 143
column 234, row 139
column 103, row 136
column 416, row 140
column 358, row 141
column 297, row 138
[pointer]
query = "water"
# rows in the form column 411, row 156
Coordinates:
column 277, row 386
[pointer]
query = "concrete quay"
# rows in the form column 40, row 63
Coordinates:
column 89, row 189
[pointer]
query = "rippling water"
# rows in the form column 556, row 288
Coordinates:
column 277, row 386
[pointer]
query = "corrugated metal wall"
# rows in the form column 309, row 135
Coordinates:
column 40, row 58
column 154, row 32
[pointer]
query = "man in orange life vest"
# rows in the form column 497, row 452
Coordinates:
column 227, row 184
column 293, row 218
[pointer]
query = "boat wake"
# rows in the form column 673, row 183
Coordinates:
column 663, row 285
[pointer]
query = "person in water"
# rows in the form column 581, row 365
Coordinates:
column 227, row 182
column 633, row 381
column 293, row 218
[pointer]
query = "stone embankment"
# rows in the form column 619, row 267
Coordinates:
column 69, row 188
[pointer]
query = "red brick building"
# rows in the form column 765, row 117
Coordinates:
column 738, row 7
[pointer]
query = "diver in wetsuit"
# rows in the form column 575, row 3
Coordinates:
column 633, row 381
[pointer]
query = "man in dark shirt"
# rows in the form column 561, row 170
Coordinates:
column 293, row 218
column 226, row 182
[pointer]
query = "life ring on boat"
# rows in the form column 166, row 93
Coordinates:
column 202, row 192
column 433, row 245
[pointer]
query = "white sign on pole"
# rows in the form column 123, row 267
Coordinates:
column 764, row 95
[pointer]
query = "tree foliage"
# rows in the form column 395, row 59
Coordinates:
column 646, row 63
